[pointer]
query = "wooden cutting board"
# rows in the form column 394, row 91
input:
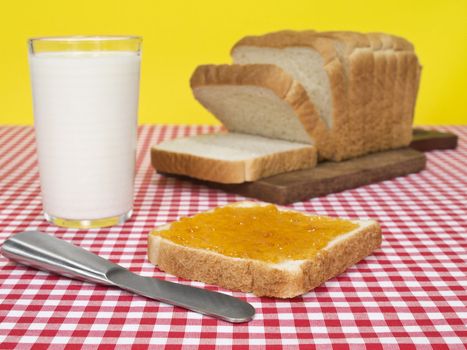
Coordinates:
column 327, row 177
column 332, row 177
column 429, row 140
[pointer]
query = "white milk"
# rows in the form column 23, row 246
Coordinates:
column 85, row 116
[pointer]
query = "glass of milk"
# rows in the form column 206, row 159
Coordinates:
column 85, row 96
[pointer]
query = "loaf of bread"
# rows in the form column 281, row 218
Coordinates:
column 262, row 252
column 345, row 93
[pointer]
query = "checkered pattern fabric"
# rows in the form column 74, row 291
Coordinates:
column 409, row 294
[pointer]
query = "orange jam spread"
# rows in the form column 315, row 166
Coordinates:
column 260, row 232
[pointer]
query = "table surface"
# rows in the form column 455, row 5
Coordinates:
column 410, row 292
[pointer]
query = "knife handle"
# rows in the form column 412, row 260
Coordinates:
column 46, row 252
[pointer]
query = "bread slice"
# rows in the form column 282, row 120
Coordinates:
column 305, row 57
column 377, row 127
column 404, row 114
column 260, row 100
column 284, row 279
column 231, row 157
column 357, row 57
column 415, row 88
column 402, row 78
column 384, row 134
column 313, row 62
column 397, row 126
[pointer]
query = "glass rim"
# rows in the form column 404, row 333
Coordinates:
column 83, row 38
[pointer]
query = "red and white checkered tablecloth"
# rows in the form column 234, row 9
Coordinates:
column 409, row 294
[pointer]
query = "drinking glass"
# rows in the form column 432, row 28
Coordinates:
column 85, row 97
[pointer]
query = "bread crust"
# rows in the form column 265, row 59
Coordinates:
column 390, row 106
column 261, row 278
column 304, row 158
column 358, row 62
column 198, row 167
column 377, row 123
column 388, row 111
column 410, row 92
column 404, row 89
column 280, row 83
column 224, row 171
column 405, row 50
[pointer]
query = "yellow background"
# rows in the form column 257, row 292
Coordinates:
column 178, row 35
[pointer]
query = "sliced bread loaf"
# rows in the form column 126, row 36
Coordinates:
column 231, row 157
column 380, row 74
column 258, row 252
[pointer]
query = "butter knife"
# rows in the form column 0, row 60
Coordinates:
column 46, row 252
